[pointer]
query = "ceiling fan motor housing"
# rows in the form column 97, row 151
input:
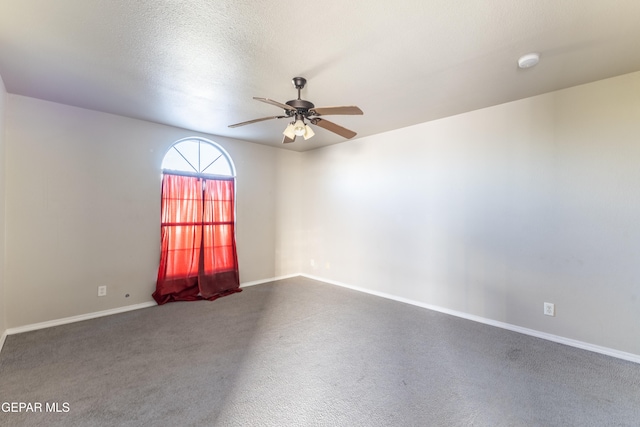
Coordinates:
column 301, row 104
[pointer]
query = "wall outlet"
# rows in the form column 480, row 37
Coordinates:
column 312, row 262
column 549, row 309
column 102, row 291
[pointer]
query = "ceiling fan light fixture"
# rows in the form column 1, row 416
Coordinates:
column 308, row 132
column 299, row 128
column 289, row 132
column 299, row 110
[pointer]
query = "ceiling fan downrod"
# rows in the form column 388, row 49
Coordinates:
column 299, row 83
column 299, row 104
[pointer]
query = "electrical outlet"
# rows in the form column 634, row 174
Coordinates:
column 549, row 309
column 313, row 263
column 102, row 291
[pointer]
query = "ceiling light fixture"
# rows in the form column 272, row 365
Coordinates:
column 529, row 60
column 308, row 132
column 300, row 110
column 299, row 127
column 289, row 132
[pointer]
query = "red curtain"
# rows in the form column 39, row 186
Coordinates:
column 198, row 258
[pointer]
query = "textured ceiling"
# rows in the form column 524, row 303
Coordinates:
column 197, row 64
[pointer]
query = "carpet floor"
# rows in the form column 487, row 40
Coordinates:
column 298, row 352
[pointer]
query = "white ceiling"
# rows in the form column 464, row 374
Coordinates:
column 197, row 64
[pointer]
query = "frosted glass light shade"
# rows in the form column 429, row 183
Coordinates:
column 299, row 128
column 308, row 132
column 289, row 132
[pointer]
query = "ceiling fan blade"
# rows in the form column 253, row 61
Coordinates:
column 330, row 126
column 256, row 121
column 287, row 140
column 276, row 103
column 342, row 110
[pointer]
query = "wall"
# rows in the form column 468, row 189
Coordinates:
column 83, row 208
column 3, row 304
column 289, row 243
column 260, row 171
column 494, row 212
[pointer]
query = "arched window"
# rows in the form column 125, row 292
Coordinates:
column 198, row 258
column 197, row 156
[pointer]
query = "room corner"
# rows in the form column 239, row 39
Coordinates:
column 3, row 323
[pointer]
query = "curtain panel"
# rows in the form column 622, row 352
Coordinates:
column 198, row 258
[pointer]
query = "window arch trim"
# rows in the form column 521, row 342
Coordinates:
column 200, row 141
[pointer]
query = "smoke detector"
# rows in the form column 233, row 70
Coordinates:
column 529, row 60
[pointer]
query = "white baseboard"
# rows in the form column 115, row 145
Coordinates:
column 79, row 318
column 272, row 279
column 550, row 337
column 532, row 332
column 2, row 338
column 72, row 319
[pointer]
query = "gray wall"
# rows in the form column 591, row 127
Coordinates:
column 83, row 208
column 494, row 212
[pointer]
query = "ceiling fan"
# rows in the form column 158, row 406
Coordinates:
column 300, row 110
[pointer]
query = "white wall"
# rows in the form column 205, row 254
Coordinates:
column 83, row 208
column 3, row 303
column 494, row 212
column 289, row 243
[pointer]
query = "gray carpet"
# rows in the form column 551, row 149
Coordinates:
column 302, row 353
